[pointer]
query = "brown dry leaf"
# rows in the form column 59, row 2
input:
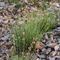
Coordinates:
column 39, row 45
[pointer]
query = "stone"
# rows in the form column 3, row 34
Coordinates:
column 59, row 48
column 1, row 20
column 54, row 53
column 1, row 58
column 57, row 29
column 25, row 1
column 51, row 37
column 1, row 43
column 5, row 38
column 1, row 8
column 52, row 45
column 56, row 47
column 37, row 59
column 44, row 41
column 58, row 39
column 56, row 4
column 2, row 4
column 57, row 57
column 39, row 45
column 48, row 50
column 58, row 53
column 43, row 50
column 51, row 58
column 46, row 36
column 5, row 22
column 42, row 56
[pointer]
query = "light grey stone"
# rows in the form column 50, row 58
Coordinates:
column 51, row 58
column 2, row 4
column 5, row 38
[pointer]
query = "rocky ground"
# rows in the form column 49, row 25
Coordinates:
column 51, row 46
column 6, row 45
column 49, row 49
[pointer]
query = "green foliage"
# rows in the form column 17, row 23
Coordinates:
column 33, row 28
column 20, row 5
column 13, row 1
column 20, row 57
column 15, row 58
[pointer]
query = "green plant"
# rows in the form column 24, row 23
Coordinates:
column 13, row 1
column 33, row 28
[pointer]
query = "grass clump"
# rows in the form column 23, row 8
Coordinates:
column 33, row 28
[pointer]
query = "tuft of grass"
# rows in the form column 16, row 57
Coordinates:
column 19, row 58
column 14, row 57
column 33, row 28
column 13, row 1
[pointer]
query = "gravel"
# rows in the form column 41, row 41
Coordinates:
column 51, row 50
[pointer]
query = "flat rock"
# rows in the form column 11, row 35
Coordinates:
column 5, row 38
column 42, row 56
column 48, row 50
column 57, row 29
column 51, row 58
column 56, row 47
column 2, row 4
